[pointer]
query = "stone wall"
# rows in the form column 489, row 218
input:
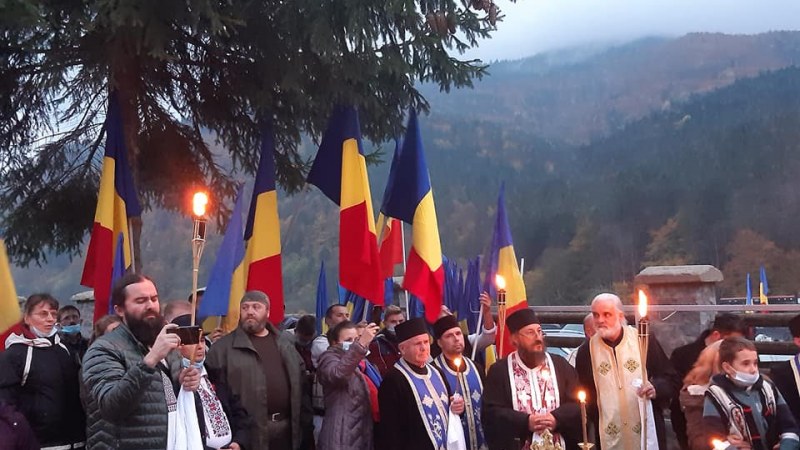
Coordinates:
column 679, row 285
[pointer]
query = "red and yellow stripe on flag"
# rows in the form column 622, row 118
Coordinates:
column 391, row 246
column 261, row 270
column 116, row 203
column 340, row 172
column 503, row 261
column 10, row 314
column 410, row 199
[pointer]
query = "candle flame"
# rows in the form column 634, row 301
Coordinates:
column 457, row 362
column 642, row 303
column 199, row 202
column 582, row 396
column 500, row 282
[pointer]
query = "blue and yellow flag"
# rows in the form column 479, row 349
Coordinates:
column 226, row 279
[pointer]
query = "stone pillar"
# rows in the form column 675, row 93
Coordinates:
column 84, row 301
column 680, row 285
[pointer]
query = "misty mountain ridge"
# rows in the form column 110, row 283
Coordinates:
column 585, row 93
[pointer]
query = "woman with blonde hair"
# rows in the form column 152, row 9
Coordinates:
column 693, row 394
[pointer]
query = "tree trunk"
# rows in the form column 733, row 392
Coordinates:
column 125, row 78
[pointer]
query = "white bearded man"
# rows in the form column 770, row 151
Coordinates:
column 414, row 399
column 529, row 392
column 450, row 339
column 610, row 368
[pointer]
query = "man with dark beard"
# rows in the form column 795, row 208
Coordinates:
column 128, row 374
column 529, row 392
column 262, row 367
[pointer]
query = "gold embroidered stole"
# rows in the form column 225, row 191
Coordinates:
column 615, row 370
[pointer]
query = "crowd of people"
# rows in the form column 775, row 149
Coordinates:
column 139, row 383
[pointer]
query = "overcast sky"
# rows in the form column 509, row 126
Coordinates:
column 533, row 26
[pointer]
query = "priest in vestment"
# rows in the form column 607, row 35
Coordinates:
column 450, row 340
column 530, row 391
column 414, row 399
column 610, row 369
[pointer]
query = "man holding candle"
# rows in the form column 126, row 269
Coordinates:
column 610, row 369
column 530, row 391
column 462, row 376
column 414, row 399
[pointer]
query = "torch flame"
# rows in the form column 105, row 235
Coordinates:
column 199, row 202
column 457, row 362
column 500, row 282
column 582, row 396
column 718, row 444
column 642, row 303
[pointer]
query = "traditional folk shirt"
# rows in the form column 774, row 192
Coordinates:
column 471, row 419
column 218, row 429
column 433, row 402
column 534, row 390
column 617, row 376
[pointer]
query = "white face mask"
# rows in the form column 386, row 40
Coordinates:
column 44, row 335
column 346, row 345
column 746, row 379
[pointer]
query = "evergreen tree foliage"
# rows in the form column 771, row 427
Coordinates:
column 184, row 69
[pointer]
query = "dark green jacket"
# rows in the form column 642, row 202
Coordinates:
column 126, row 407
column 235, row 361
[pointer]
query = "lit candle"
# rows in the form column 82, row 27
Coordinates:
column 644, row 339
column 500, row 282
column 582, row 398
column 460, row 377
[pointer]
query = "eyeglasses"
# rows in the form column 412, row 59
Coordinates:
column 532, row 333
column 46, row 314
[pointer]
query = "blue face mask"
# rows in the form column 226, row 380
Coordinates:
column 71, row 329
column 197, row 364
column 346, row 345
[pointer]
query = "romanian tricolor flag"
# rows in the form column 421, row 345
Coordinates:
column 340, row 172
column 262, row 235
column 10, row 313
column 116, row 203
column 411, row 200
column 503, row 261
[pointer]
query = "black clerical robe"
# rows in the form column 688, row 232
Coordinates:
column 507, row 429
column 783, row 377
column 660, row 371
column 401, row 427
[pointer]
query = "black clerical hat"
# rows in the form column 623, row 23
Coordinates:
column 410, row 328
column 520, row 319
column 443, row 324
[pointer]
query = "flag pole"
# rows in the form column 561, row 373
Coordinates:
column 130, row 244
column 403, row 243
